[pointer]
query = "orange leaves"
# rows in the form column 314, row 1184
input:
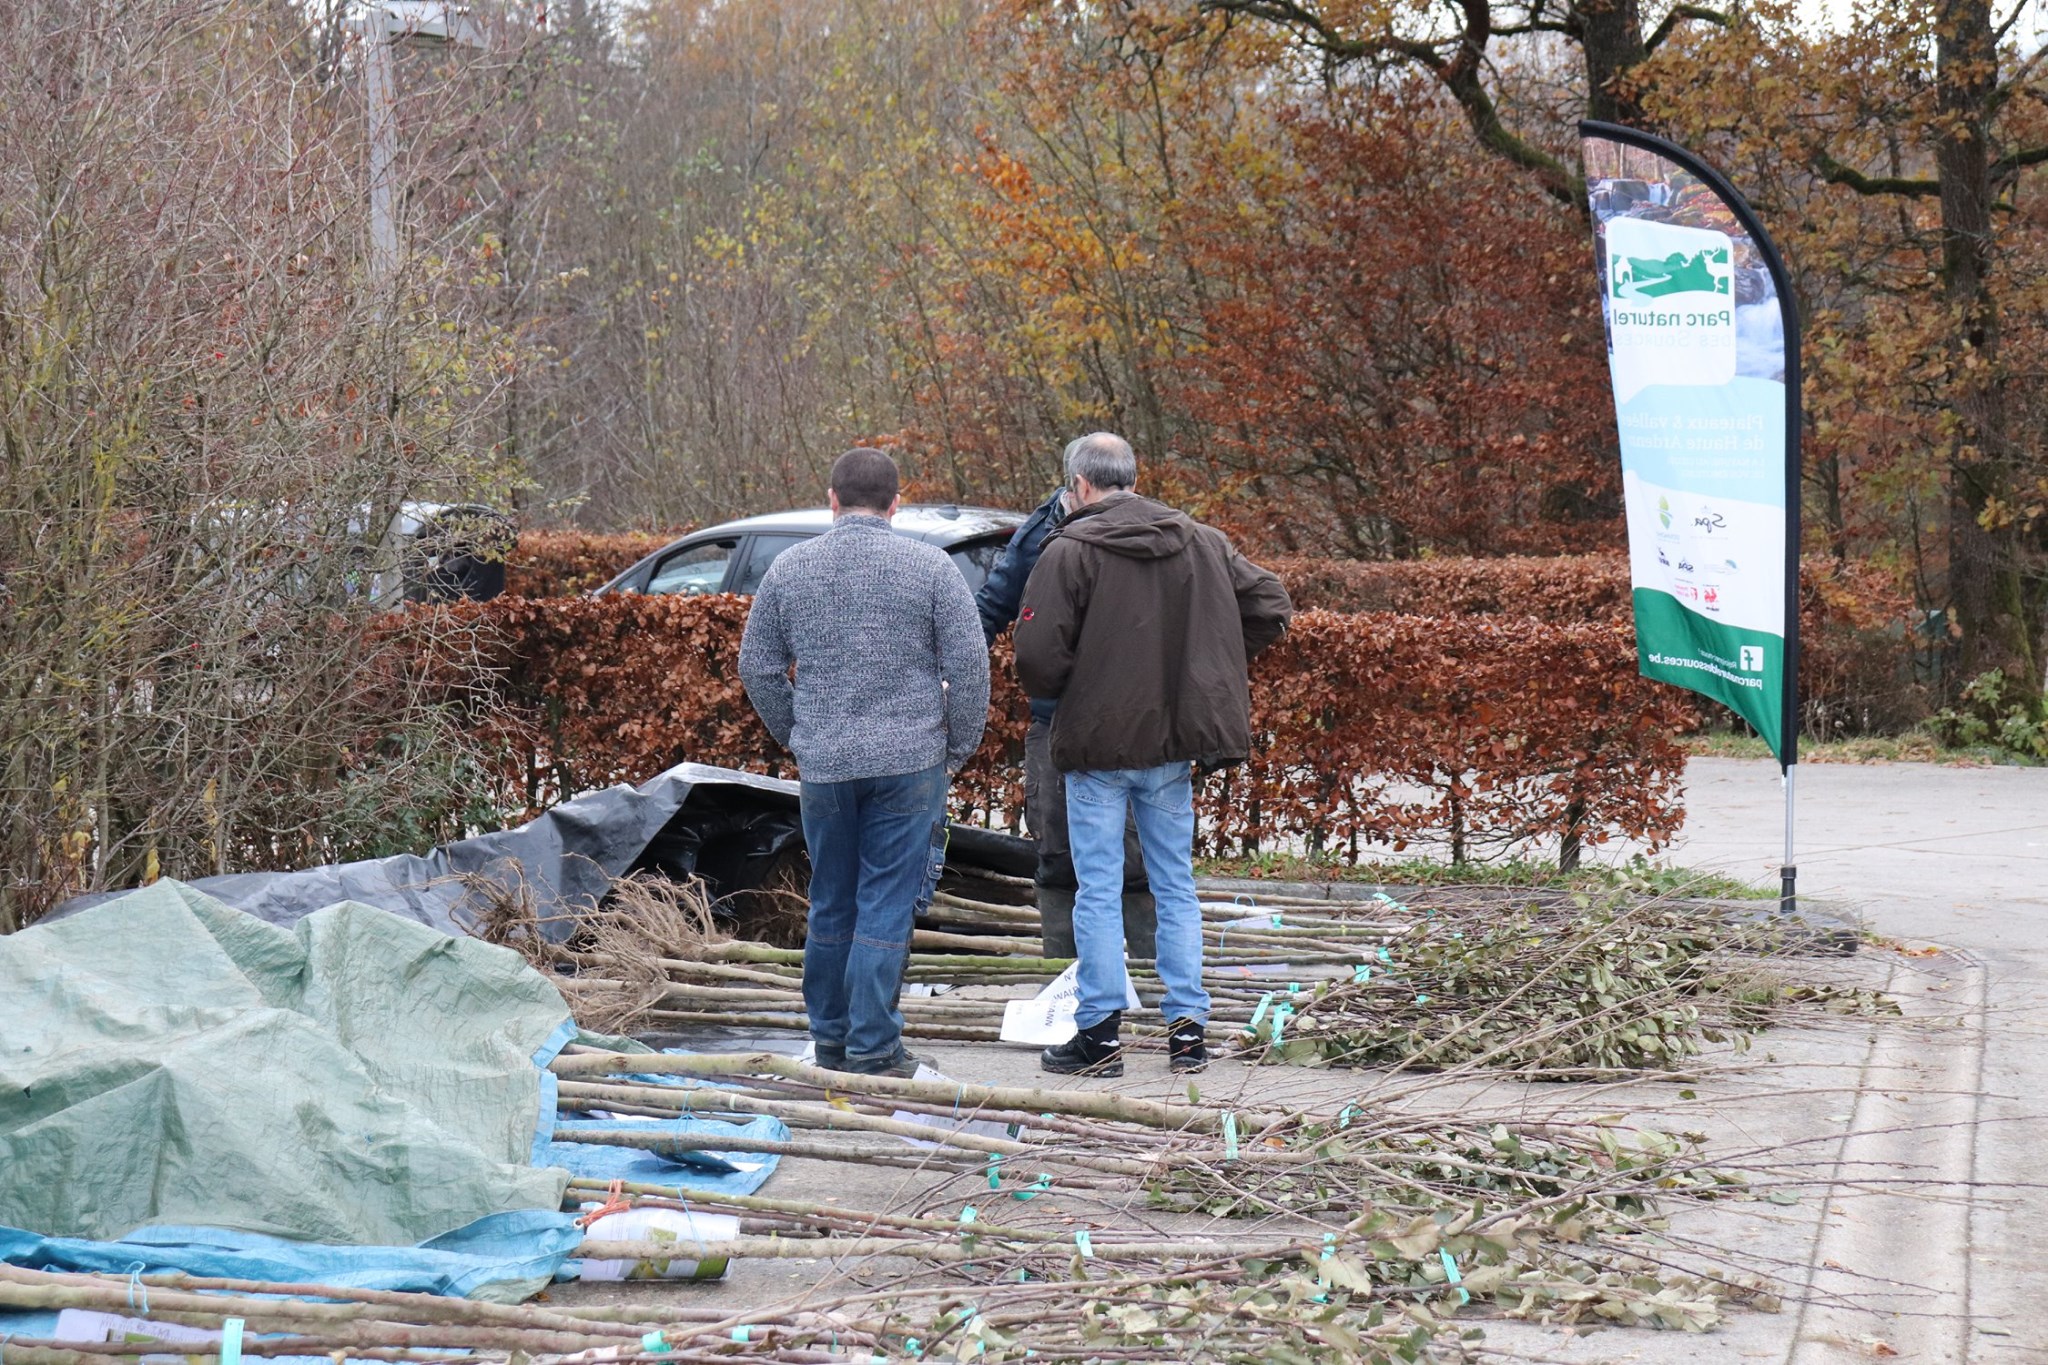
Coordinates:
column 561, row 563
column 1481, row 731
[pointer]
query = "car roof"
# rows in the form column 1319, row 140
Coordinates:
column 941, row 524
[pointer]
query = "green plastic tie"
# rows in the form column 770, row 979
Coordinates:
column 1038, row 1187
column 741, row 1333
column 1451, row 1274
column 231, row 1341
column 656, row 1344
column 1081, row 1241
column 1230, row 1137
column 1360, row 974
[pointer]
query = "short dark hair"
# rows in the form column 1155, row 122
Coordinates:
column 864, row 478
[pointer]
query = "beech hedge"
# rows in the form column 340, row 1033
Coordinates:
column 1372, row 729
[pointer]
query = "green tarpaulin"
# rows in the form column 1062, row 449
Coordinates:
column 358, row 1079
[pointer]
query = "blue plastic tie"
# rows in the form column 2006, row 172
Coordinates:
column 231, row 1341
column 136, row 1286
column 1081, row 1241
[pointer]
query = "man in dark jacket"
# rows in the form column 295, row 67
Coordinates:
column 1045, row 794
column 1140, row 622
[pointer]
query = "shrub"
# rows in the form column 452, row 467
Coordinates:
column 570, row 563
column 1855, row 667
column 1477, row 732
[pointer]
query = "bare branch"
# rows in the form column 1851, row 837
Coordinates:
column 1835, row 173
column 1680, row 13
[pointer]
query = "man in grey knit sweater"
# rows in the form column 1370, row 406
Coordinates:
column 890, row 698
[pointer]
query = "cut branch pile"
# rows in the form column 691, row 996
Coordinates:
column 1550, row 984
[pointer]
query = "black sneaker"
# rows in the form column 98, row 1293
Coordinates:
column 1185, row 1049
column 830, row 1056
column 902, row 1064
column 1094, row 1051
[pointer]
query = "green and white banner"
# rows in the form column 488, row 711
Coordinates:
column 1700, row 351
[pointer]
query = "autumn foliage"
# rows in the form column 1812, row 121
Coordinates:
column 1372, row 730
column 562, row 563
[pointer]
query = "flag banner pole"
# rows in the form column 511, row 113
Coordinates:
column 1703, row 350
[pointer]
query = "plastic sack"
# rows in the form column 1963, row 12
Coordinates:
column 660, row 1225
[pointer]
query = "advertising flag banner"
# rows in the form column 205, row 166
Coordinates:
column 1702, row 347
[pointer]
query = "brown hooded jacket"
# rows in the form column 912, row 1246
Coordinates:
column 1140, row 621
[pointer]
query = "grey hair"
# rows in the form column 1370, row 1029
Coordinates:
column 1106, row 461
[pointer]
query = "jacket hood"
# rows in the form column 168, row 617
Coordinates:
column 1131, row 526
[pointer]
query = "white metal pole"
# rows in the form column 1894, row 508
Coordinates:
column 383, row 121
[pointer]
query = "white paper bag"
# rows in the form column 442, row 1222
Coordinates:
column 1047, row 1019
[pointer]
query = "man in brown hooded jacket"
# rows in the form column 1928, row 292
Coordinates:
column 1140, row 622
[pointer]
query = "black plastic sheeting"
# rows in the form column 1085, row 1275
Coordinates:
column 726, row 826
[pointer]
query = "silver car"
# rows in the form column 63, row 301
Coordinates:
column 733, row 557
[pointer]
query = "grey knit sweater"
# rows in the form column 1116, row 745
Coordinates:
column 874, row 622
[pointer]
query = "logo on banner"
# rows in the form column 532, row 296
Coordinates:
column 1664, row 512
column 1670, row 305
column 1702, row 272
column 1752, row 658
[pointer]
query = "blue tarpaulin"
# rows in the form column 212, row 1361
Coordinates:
column 506, row 1256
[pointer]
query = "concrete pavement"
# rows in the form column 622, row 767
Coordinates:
column 1956, row 857
column 1912, row 1154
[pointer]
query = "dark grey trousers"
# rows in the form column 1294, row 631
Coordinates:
column 1045, row 814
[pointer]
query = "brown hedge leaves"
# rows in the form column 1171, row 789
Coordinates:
column 1475, row 733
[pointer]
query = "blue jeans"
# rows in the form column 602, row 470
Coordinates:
column 877, row 845
column 1163, row 800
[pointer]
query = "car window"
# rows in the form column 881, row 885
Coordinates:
column 697, row 569
column 977, row 557
column 761, row 552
